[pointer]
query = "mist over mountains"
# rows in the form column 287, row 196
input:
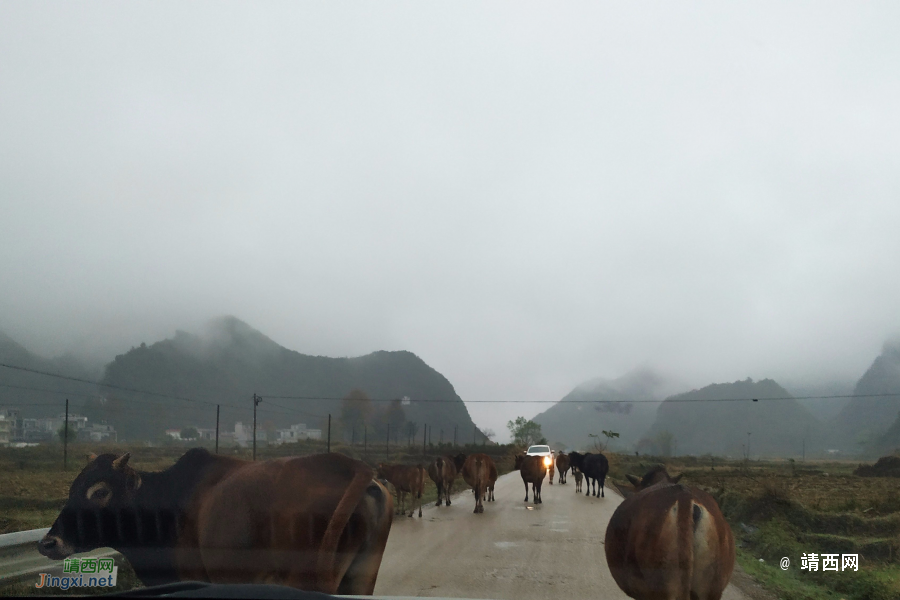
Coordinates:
column 622, row 405
column 227, row 364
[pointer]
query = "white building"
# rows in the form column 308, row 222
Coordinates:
column 297, row 432
column 5, row 427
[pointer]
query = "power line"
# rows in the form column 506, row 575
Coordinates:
column 640, row 401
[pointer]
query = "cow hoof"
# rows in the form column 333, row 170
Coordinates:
column 448, row 503
column 439, row 503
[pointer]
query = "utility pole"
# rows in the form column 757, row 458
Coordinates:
column 329, row 433
column 256, row 401
column 66, row 439
column 217, row 428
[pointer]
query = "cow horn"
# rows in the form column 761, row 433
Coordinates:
column 92, row 456
column 120, row 463
column 635, row 481
column 677, row 478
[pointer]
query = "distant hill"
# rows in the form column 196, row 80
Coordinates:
column 865, row 419
column 777, row 427
column 38, row 395
column 600, row 404
column 231, row 361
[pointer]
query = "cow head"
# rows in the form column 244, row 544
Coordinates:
column 104, row 487
column 657, row 474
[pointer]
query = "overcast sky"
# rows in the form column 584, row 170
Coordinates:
column 525, row 195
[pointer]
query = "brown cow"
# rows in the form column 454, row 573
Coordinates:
column 533, row 471
column 442, row 471
column 669, row 541
column 492, row 480
column 406, row 480
column 480, row 473
column 314, row 522
column 562, row 465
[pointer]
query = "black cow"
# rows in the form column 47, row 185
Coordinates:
column 595, row 467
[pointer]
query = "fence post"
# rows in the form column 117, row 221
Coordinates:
column 217, row 428
column 329, row 433
column 256, row 401
column 66, row 439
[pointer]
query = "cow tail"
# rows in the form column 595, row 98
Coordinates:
column 328, row 549
column 685, row 528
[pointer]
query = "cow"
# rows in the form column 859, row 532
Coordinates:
column 406, row 480
column 533, row 471
column 668, row 540
column 578, row 477
column 442, row 471
column 562, row 465
column 595, row 467
column 316, row 523
column 477, row 472
column 492, row 480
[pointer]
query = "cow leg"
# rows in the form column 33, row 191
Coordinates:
column 439, row 490
column 602, row 482
column 448, row 489
column 526, row 491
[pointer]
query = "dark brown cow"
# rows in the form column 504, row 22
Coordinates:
column 669, row 541
column 562, row 465
column 406, row 480
column 533, row 471
column 477, row 472
column 316, row 522
column 442, row 471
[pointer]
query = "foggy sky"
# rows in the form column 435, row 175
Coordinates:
column 525, row 195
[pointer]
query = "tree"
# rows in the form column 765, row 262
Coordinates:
column 73, row 433
column 525, row 432
column 609, row 435
column 190, row 433
column 665, row 443
column 356, row 411
column 396, row 418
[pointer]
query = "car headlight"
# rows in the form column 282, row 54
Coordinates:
column 547, row 461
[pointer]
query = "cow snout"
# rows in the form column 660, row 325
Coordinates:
column 53, row 547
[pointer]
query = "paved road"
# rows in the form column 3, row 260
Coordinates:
column 514, row 550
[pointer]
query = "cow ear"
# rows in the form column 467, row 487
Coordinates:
column 635, row 481
column 677, row 478
column 120, row 463
column 133, row 482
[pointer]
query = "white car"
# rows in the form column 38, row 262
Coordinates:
column 541, row 451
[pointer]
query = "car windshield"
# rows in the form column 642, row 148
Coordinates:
column 306, row 293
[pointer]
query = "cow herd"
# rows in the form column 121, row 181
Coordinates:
column 321, row 522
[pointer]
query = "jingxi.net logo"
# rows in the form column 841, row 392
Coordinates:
column 82, row 572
